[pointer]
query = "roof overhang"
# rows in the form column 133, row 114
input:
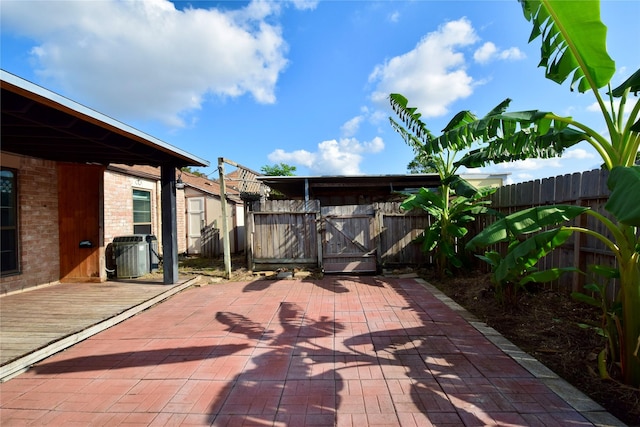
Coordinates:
column 39, row 123
column 326, row 186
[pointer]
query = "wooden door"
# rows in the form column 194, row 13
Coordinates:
column 195, row 224
column 347, row 243
column 80, row 190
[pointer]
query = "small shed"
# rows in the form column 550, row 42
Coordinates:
column 341, row 224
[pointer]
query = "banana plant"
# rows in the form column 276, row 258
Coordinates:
column 513, row 271
column 610, row 326
column 454, row 203
column 573, row 47
column 450, row 214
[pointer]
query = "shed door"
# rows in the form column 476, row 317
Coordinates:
column 348, row 245
column 196, row 222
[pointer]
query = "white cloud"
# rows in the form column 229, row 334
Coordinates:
column 489, row 52
column 628, row 106
column 305, row 4
column 595, row 107
column 351, row 127
column 394, row 17
column 485, row 52
column 512, row 54
column 530, row 164
column 578, row 153
column 432, row 75
column 148, row 60
column 332, row 157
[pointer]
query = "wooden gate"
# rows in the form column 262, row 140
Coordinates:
column 348, row 245
column 338, row 239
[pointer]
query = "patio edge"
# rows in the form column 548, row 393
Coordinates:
column 582, row 403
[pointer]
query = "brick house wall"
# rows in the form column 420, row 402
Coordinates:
column 38, row 218
column 39, row 248
column 181, row 220
column 118, row 207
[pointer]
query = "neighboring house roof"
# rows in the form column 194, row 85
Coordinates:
column 141, row 171
column 39, row 123
column 202, row 184
column 208, row 186
column 366, row 185
column 486, row 179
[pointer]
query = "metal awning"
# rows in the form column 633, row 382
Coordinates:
column 39, row 123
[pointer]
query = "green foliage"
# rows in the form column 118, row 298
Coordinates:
column 573, row 47
column 571, row 33
column 511, row 272
column 623, row 182
column 449, row 219
column 280, row 169
column 452, row 205
column 192, row 171
column 610, row 326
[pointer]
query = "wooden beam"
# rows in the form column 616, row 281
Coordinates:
column 226, row 244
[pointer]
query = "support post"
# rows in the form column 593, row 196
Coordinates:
column 225, row 224
column 169, row 224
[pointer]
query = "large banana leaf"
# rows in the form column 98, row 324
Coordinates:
column 424, row 198
column 524, row 222
column 523, row 144
column 417, row 134
column 524, row 255
column 573, row 42
column 633, row 84
column 624, row 200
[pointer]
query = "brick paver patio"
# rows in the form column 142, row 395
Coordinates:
column 346, row 351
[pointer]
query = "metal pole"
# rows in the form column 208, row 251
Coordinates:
column 225, row 225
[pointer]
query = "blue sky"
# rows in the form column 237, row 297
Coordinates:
column 300, row 81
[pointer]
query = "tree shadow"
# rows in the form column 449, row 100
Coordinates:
column 301, row 367
column 289, row 378
column 133, row 359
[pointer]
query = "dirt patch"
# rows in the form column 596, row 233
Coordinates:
column 545, row 324
column 212, row 270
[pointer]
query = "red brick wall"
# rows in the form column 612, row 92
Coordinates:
column 118, row 207
column 181, row 220
column 38, row 223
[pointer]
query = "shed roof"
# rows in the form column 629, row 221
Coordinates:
column 363, row 185
column 39, row 123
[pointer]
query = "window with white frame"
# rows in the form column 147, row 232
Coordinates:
column 141, row 212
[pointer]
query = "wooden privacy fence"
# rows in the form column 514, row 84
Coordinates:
column 582, row 189
column 353, row 238
column 210, row 242
column 299, row 233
